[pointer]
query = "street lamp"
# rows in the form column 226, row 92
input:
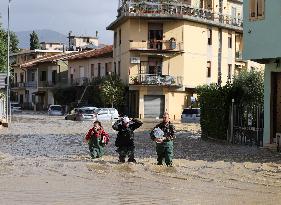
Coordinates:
column 8, row 110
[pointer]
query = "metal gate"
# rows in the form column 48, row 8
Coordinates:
column 246, row 124
column 154, row 106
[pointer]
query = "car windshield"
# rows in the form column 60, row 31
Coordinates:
column 56, row 108
column 191, row 111
column 86, row 111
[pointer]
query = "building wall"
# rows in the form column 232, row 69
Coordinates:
column 262, row 37
column 52, row 46
column 192, row 63
column 80, row 41
column 76, row 65
column 269, row 69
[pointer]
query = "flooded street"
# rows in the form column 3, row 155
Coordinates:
column 43, row 161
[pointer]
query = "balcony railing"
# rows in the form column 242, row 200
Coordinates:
column 178, row 9
column 238, row 55
column 17, row 85
column 154, row 79
column 157, row 45
column 46, row 84
column 80, row 81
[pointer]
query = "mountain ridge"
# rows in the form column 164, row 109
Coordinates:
column 45, row 35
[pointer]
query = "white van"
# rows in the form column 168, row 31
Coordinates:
column 106, row 114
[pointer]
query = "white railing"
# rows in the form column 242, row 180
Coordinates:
column 176, row 8
column 162, row 45
column 155, row 79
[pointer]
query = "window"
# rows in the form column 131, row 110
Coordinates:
column 33, row 76
column 119, row 68
column 99, row 70
column 71, row 77
column 106, row 69
column 115, row 69
column 209, row 36
column 229, row 40
column 115, row 39
column 21, row 77
column 120, row 37
column 43, row 76
column 209, row 69
column 229, row 72
column 256, row 9
column 92, row 70
column 16, row 77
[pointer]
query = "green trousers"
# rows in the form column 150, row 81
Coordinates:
column 165, row 151
column 96, row 148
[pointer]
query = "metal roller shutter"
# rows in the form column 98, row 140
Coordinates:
column 154, row 106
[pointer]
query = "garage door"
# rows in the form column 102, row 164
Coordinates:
column 154, row 106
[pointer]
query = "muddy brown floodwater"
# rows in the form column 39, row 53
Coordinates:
column 44, row 161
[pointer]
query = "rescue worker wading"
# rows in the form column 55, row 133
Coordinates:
column 164, row 145
column 97, row 139
column 125, row 138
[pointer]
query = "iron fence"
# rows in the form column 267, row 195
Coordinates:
column 246, row 124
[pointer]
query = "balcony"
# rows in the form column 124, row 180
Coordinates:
column 238, row 55
column 46, row 84
column 154, row 79
column 30, row 84
column 17, row 85
column 157, row 45
column 80, row 81
column 176, row 10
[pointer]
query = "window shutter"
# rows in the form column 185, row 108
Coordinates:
column 260, row 8
column 253, row 9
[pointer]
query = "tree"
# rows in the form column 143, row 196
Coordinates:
column 248, row 87
column 3, row 47
column 3, row 50
column 112, row 90
column 14, row 42
column 34, row 41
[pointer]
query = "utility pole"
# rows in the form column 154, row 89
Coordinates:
column 8, row 110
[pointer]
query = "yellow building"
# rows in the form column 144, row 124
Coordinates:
column 164, row 49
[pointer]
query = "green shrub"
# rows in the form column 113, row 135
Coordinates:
column 215, row 102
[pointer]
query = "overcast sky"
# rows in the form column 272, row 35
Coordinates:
column 83, row 17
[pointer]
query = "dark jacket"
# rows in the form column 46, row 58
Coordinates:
column 168, row 129
column 125, row 136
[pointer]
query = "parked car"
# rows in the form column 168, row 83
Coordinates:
column 81, row 114
column 105, row 114
column 15, row 107
column 190, row 115
column 88, row 108
column 55, row 110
